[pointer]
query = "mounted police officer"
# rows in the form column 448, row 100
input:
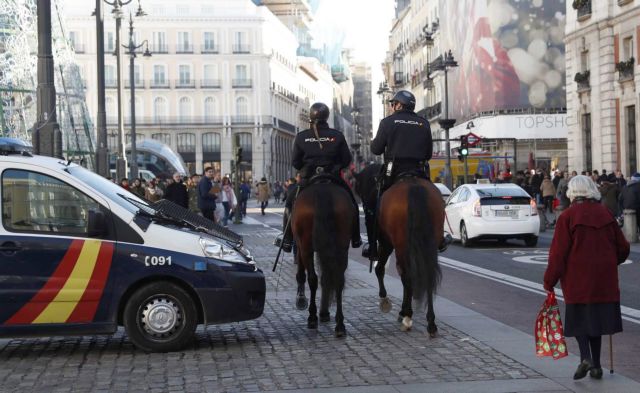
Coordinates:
column 319, row 150
column 405, row 140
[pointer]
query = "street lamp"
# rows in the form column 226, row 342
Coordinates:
column 264, row 158
column 383, row 89
column 444, row 64
column 131, row 51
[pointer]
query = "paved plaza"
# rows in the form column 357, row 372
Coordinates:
column 278, row 353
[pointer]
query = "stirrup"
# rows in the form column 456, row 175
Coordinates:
column 356, row 243
column 445, row 243
column 281, row 242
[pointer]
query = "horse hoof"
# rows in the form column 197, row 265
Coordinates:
column 433, row 334
column 312, row 324
column 433, row 331
column 407, row 324
column 302, row 303
column 325, row 317
column 340, row 331
column 385, row 305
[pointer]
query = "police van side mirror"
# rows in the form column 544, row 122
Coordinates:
column 97, row 224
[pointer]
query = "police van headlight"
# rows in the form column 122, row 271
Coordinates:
column 214, row 249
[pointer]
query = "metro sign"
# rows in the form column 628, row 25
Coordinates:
column 473, row 139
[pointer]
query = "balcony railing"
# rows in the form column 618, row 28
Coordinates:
column 211, row 83
column 139, row 83
column 625, row 69
column 241, row 83
column 240, row 48
column 184, row 48
column 242, row 119
column 159, row 48
column 433, row 111
column 169, row 120
column 584, row 9
column 285, row 125
column 210, row 49
column 110, row 83
column 159, row 84
column 582, row 79
column 185, row 83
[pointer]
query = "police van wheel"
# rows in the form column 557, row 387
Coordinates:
column 160, row 317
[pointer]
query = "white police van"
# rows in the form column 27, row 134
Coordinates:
column 81, row 255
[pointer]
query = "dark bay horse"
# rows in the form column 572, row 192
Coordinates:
column 322, row 221
column 410, row 221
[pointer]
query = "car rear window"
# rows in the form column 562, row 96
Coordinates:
column 503, row 196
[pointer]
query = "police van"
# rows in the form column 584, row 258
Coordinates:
column 80, row 255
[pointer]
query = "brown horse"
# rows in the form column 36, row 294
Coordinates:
column 410, row 220
column 321, row 222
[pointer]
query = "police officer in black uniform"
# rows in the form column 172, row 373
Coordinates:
column 319, row 149
column 405, row 140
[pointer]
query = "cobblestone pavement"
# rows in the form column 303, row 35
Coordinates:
column 274, row 352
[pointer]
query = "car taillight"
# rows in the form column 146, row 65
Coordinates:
column 477, row 209
column 534, row 208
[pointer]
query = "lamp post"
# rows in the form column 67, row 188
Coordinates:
column 264, row 157
column 383, row 89
column 102, row 152
column 444, row 65
column 131, row 51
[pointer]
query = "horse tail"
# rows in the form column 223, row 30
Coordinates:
column 422, row 247
column 324, row 239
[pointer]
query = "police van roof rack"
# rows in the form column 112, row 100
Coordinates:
column 14, row 146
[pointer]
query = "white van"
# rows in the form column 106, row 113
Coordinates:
column 81, row 255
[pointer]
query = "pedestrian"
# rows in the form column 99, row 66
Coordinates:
column 153, row 193
column 192, row 190
column 620, row 180
column 548, row 192
column 264, row 193
column 207, row 194
column 630, row 196
column 124, row 183
column 610, row 194
column 229, row 201
column 177, row 192
column 277, row 191
column 586, row 249
column 137, row 188
column 245, row 193
column 535, row 183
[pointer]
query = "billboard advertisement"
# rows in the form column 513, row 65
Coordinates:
column 510, row 53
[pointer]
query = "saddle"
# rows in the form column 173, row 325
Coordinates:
column 324, row 178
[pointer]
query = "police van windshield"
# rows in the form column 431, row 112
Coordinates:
column 105, row 187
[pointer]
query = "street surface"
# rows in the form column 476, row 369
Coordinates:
column 277, row 352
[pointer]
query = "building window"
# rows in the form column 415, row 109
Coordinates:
column 240, row 44
column 184, row 76
column 209, row 109
column 241, row 76
column 584, row 61
column 184, row 108
column 110, row 76
column 139, row 137
column 184, row 42
column 627, row 48
column 159, row 109
column 632, row 139
column 586, row 137
column 162, row 138
column 159, row 42
column 110, row 42
column 159, row 76
column 186, row 143
column 241, row 107
column 209, row 43
column 211, row 142
column 210, row 76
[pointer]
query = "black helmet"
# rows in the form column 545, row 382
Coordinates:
column 405, row 97
column 318, row 113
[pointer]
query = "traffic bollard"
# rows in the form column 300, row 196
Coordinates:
column 630, row 227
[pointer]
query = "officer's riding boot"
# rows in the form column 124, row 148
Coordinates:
column 356, row 240
column 285, row 240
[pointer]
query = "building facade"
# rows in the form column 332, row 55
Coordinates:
column 221, row 74
column 363, row 112
column 603, row 80
column 507, row 85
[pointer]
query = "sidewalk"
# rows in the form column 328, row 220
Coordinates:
column 471, row 353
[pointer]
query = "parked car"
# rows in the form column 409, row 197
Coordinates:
column 492, row 211
column 81, row 255
column 444, row 190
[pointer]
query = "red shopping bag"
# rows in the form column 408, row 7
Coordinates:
column 548, row 332
column 556, row 203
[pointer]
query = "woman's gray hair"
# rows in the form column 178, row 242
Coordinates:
column 582, row 187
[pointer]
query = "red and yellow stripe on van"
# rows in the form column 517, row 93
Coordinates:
column 73, row 292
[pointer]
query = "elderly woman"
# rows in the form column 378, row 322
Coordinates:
column 586, row 250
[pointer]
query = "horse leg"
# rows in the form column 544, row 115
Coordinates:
column 301, row 277
column 312, row 321
column 385, row 252
column 325, row 299
column 340, row 330
column 432, row 328
column 406, row 312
